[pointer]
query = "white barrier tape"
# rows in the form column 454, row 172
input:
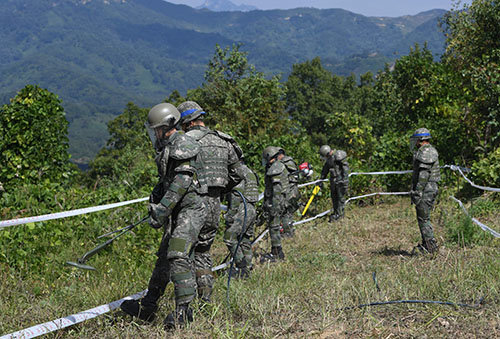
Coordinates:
column 70, row 320
column 322, row 214
column 20, row 221
column 312, row 182
column 260, row 237
column 477, row 222
column 455, row 167
column 380, row 173
column 377, row 193
column 484, row 188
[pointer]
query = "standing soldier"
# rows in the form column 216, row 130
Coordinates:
column 238, row 224
column 218, row 168
column 424, row 185
column 293, row 196
column 275, row 196
column 335, row 164
column 174, row 197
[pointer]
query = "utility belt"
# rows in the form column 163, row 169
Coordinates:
column 215, row 192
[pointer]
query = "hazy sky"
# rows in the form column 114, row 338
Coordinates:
column 365, row 7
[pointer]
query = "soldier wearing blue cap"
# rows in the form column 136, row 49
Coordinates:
column 425, row 180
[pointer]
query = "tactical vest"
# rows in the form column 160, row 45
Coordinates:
column 276, row 172
column 291, row 166
column 212, row 162
column 426, row 159
column 178, row 152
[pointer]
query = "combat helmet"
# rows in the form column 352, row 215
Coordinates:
column 190, row 111
column 269, row 153
column 419, row 135
column 161, row 115
column 324, row 151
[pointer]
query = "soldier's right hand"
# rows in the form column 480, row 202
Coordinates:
column 416, row 197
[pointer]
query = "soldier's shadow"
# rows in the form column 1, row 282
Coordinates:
column 393, row 252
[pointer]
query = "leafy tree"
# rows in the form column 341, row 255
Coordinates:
column 34, row 142
column 330, row 107
column 420, row 92
column 248, row 105
column 473, row 52
column 128, row 156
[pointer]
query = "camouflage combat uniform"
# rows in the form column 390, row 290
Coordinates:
column 275, row 197
column 426, row 176
column 336, row 164
column 177, row 191
column 293, row 196
column 218, row 168
column 235, row 219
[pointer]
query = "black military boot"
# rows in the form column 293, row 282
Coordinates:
column 426, row 247
column 431, row 245
column 333, row 217
column 178, row 318
column 243, row 271
column 277, row 252
column 139, row 309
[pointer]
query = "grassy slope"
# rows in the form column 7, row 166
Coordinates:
column 328, row 266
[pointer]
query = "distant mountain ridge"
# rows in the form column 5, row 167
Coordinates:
column 225, row 6
column 100, row 54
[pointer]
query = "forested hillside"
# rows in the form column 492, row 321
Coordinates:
column 99, row 55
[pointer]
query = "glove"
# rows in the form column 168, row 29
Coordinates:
column 416, row 197
column 158, row 214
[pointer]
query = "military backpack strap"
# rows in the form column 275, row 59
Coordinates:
column 230, row 139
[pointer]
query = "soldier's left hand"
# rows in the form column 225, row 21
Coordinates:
column 159, row 215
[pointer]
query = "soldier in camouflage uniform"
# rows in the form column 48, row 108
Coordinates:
column 293, row 196
column 219, row 169
column 237, row 224
column 275, row 196
column 175, row 197
column 335, row 164
column 426, row 176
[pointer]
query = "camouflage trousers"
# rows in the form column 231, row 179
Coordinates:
column 292, row 206
column 275, row 220
column 203, row 260
column 338, row 191
column 235, row 222
column 424, row 208
column 175, row 256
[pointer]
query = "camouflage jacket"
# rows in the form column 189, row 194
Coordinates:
column 248, row 187
column 293, row 175
column 425, row 168
column 176, row 170
column 218, row 164
column 337, row 166
column 277, row 185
